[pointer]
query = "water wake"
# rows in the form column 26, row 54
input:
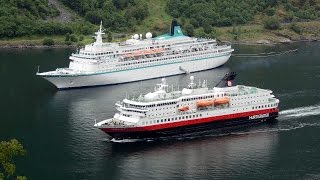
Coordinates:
column 279, row 128
column 301, row 112
column 123, row 140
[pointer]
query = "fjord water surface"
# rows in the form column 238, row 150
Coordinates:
column 56, row 127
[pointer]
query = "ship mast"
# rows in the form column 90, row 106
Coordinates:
column 98, row 36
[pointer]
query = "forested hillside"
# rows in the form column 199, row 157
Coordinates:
column 28, row 17
column 231, row 12
column 116, row 14
column 199, row 17
column 206, row 14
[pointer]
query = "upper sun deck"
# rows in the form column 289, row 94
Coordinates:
column 137, row 42
column 162, row 94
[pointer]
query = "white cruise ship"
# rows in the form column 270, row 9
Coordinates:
column 138, row 59
column 196, row 108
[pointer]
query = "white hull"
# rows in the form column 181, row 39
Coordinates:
column 98, row 79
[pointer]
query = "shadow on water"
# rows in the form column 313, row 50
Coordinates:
column 190, row 156
column 193, row 137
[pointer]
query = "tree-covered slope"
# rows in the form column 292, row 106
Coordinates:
column 232, row 12
column 199, row 17
column 115, row 14
column 29, row 17
column 206, row 14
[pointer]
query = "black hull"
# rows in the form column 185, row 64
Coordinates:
column 215, row 125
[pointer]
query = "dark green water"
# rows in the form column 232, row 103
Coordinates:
column 56, row 127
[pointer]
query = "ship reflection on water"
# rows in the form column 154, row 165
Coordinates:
column 198, row 157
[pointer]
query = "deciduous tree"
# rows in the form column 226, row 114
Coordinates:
column 9, row 151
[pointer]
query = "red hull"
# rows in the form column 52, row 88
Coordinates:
column 192, row 122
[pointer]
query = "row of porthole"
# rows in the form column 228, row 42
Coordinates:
column 249, row 97
column 84, row 53
column 155, row 115
column 171, row 119
column 146, row 65
column 247, row 102
column 264, row 106
column 159, row 60
column 204, row 97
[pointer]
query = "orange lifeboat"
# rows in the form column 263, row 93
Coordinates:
column 184, row 108
column 205, row 103
column 220, row 101
column 144, row 52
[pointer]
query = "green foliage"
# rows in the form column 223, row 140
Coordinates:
column 200, row 33
column 80, row 44
column 51, row 28
column 67, row 37
column 271, row 23
column 206, row 13
column 73, row 38
column 138, row 12
column 68, row 43
column 27, row 8
column 189, row 29
column 215, row 13
column 270, row 11
column 154, row 34
column 81, row 38
column 9, row 150
column 30, row 17
column 213, row 34
column 288, row 17
column 115, row 14
column 109, row 38
column 20, row 17
column 236, row 31
column 81, row 27
column 48, row 42
column 294, row 27
column 22, row 26
column 21, row 178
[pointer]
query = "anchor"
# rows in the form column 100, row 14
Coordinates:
column 184, row 70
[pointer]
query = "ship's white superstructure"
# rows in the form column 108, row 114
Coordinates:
column 138, row 59
column 166, row 111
